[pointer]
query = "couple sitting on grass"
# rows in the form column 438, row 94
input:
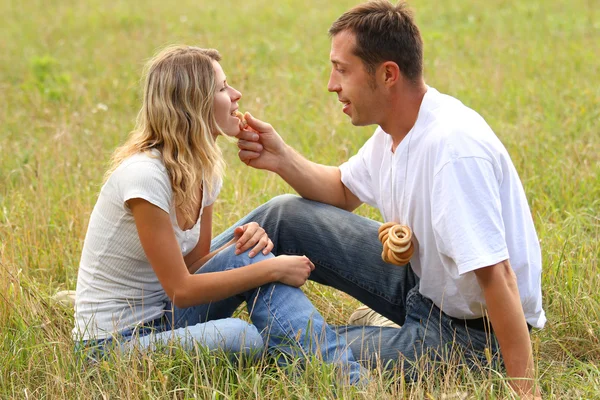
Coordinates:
column 151, row 273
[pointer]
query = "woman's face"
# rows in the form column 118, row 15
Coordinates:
column 226, row 98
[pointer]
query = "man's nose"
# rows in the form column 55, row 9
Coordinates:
column 332, row 85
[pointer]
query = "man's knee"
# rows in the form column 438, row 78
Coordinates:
column 283, row 201
column 245, row 259
column 288, row 208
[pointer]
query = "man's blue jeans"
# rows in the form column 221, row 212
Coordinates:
column 347, row 255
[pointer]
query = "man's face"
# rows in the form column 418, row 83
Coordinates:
column 356, row 88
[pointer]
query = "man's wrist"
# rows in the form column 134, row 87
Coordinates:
column 284, row 161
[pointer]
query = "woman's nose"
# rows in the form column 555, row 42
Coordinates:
column 235, row 95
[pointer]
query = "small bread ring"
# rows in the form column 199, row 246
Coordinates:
column 399, row 238
column 386, row 226
column 240, row 116
column 397, row 243
column 403, row 258
column 383, row 230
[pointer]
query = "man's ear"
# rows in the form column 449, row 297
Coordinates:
column 391, row 73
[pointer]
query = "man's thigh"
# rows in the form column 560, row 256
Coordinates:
column 343, row 246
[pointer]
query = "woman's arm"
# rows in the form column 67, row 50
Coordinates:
column 185, row 289
column 201, row 253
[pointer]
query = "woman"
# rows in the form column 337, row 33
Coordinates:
column 147, row 275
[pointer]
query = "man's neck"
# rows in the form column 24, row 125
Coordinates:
column 404, row 111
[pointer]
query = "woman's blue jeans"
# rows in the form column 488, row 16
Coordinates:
column 282, row 317
column 347, row 255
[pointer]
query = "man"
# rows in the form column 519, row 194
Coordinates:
column 474, row 281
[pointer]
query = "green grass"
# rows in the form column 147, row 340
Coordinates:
column 69, row 78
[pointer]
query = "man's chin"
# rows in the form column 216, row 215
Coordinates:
column 358, row 122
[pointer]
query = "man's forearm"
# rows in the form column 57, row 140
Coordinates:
column 508, row 321
column 313, row 181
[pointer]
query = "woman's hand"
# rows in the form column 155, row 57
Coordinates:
column 251, row 234
column 294, row 270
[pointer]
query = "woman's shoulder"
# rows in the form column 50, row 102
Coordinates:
column 143, row 160
column 144, row 168
column 141, row 175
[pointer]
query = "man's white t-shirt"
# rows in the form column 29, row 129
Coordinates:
column 452, row 181
column 116, row 285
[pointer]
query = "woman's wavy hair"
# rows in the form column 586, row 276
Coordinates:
column 177, row 118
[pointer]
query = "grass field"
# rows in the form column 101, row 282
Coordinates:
column 69, row 78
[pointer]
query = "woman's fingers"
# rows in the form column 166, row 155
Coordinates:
column 312, row 266
column 269, row 247
column 249, row 231
column 254, row 235
column 262, row 243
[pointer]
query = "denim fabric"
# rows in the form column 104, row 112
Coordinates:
column 231, row 335
column 286, row 319
column 282, row 317
column 347, row 254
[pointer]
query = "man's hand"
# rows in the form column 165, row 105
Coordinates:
column 251, row 234
column 260, row 145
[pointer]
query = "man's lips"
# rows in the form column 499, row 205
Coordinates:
column 346, row 105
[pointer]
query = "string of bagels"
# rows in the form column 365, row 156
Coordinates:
column 398, row 247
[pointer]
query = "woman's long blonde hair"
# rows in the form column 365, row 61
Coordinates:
column 177, row 118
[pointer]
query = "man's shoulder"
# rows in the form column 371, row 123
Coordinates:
column 456, row 131
column 451, row 121
column 449, row 114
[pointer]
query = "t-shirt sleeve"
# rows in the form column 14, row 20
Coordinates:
column 144, row 180
column 467, row 214
column 356, row 176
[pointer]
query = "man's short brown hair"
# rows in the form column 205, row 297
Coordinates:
column 384, row 32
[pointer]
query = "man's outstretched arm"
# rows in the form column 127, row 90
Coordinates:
column 263, row 148
column 505, row 311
